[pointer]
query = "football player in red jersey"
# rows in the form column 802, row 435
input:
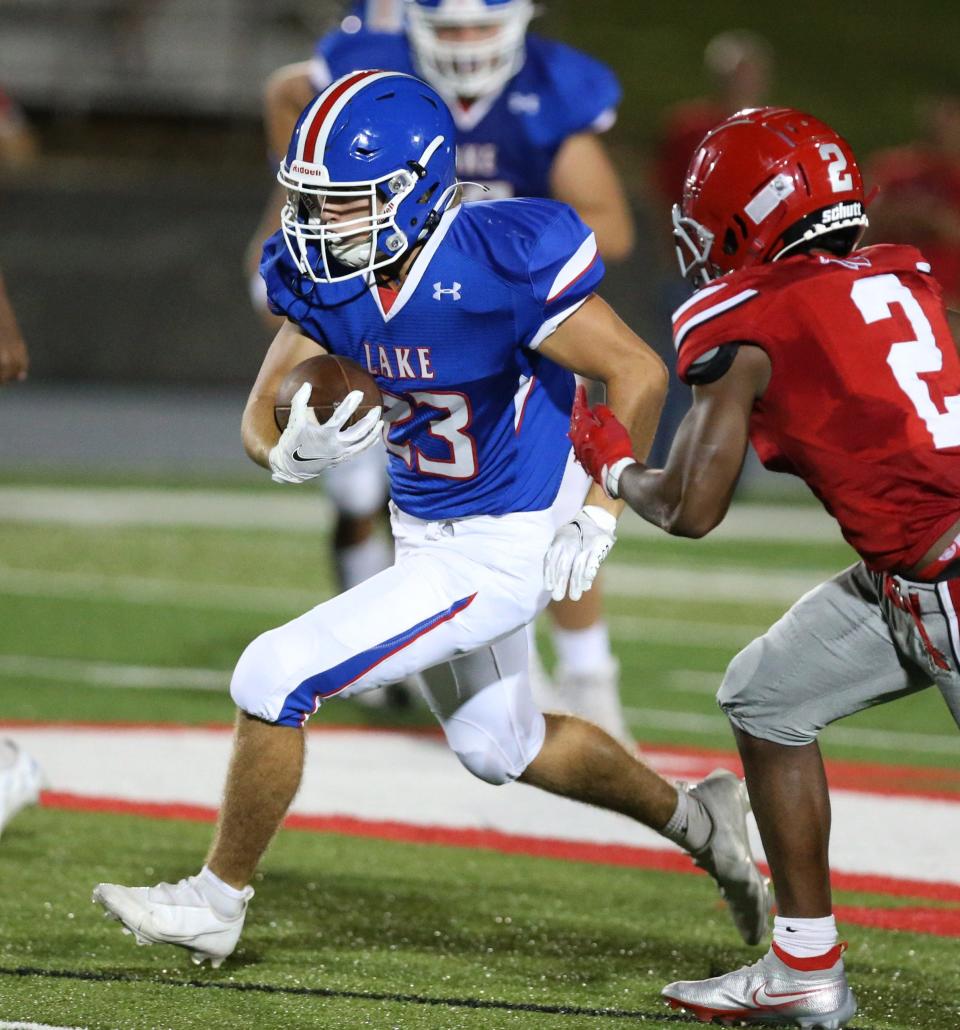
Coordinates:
column 840, row 366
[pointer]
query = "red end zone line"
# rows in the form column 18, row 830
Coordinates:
column 944, row 922
column 931, row 782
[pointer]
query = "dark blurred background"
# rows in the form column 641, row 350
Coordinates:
column 123, row 228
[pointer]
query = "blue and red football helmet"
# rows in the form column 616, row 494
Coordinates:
column 761, row 184
column 376, row 136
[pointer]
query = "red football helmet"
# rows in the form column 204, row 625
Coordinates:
column 760, row 184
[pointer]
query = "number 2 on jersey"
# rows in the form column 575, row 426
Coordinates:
column 911, row 360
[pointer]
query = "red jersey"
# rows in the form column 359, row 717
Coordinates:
column 863, row 402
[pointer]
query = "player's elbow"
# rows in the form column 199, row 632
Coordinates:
column 691, row 522
column 648, row 368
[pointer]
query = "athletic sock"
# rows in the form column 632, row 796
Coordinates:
column 359, row 562
column 690, row 825
column 226, row 901
column 582, row 651
column 806, row 941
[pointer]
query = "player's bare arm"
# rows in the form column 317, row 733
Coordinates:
column 286, row 93
column 584, row 177
column 691, row 495
column 13, row 351
column 259, row 428
column 594, row 342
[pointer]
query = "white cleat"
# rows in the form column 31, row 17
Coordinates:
column 20, row 781
column 174, row 913
column 769, row 993
column 595, row 696
column 727, row 856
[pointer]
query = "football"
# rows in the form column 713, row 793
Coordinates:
column 332, row 378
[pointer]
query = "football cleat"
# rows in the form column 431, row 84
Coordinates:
column 174, row 913
column 769, row 993
column 727, row 856
column 595, row 696
column 20, row 781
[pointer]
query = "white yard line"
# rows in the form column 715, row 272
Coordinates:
column 36, row 1026
column 415, row 780
column 307, row 510
column 777, row 586
column 111, row 674
column 854, row 736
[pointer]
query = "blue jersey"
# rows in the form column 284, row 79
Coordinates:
column 506, row 142
column 477, row 418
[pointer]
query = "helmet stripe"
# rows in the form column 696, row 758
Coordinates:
column 325, row 103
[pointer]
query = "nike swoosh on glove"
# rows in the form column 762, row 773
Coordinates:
column 577, row 552
column 307, row 447
column 601, row 442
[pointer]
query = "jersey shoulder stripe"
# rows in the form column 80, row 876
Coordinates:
column 698, row 315
column 578, row 265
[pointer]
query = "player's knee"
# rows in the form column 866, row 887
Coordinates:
column 253, row 677
column 753, row 699
column 493, row 739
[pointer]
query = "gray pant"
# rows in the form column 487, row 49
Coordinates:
column 845, row 646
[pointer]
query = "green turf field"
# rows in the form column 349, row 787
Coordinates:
column 351, row 932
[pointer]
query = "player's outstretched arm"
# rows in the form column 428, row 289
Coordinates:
column 259, row 427
column 597, row 344
column 13, row 351
column 691, row 495
column 583, row 176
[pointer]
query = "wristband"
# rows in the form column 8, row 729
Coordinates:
column 612, row 474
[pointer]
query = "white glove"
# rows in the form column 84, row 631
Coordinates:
column 307, row 446
column 577, row 552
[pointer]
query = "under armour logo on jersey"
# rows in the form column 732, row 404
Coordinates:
column 439, row 292
column 523, row 103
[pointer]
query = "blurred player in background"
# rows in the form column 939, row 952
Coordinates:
column 18, row 144
column 529, row 114
column 473, row 318
column 739, row 68
column 919, row 193
column 14, row 360
column 19, row 774
column 841, row 366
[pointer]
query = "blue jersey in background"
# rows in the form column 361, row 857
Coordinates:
column 506, row 142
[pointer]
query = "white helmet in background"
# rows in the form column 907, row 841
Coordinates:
column 468, row 48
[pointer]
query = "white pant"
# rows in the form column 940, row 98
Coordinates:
column 359, row 488
column 458, row 588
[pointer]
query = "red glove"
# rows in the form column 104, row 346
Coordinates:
column 600, row 441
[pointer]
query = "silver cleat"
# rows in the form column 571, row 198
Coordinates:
column 174, row 913
column 769, row 993
column 727, row 856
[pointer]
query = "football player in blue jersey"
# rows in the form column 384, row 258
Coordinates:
column 472, row 318
column 529, row 112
